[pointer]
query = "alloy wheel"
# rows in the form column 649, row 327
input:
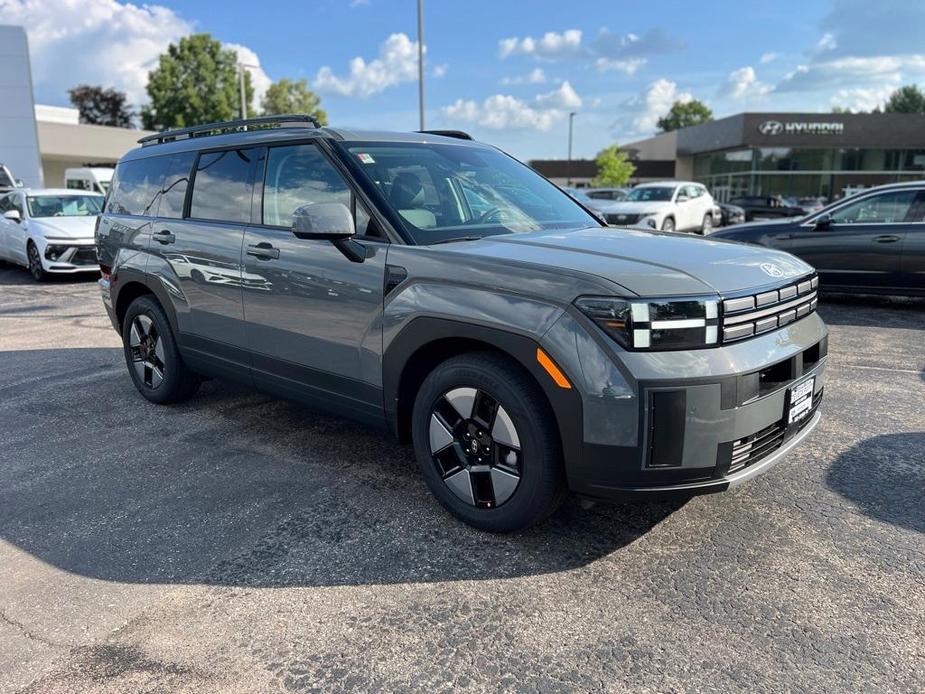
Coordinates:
column 475, row 447
column 35, row 263
column 147, row 351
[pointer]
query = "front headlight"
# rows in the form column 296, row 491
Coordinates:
column 655, row 324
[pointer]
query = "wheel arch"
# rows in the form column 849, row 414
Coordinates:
column 133, row 285
column 426, row 342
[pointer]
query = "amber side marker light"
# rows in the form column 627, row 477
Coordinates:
column 547, row 363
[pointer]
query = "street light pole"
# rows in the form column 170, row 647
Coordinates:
column 241, row 67
column 568, row 166
column 421, row 62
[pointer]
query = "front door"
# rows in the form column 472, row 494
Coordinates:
column 862, row 247
column 313, row 317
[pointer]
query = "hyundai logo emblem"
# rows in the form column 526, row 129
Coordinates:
column 771, row 127
column 772, row 270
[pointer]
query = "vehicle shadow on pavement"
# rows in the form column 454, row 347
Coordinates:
column 884, row 475
column 236, row 488
column 873, row 310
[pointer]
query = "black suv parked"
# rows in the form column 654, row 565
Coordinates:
column 872, row 242
column 765, row 207
column 437, row 287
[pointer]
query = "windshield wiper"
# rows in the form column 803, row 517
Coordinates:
column 455, row 239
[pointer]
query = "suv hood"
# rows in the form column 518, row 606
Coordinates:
column 646, row 263
column 64, row 227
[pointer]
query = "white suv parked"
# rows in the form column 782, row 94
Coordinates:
column 668, row 205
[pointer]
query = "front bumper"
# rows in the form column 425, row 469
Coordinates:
column 69, row 255
column 694, row 422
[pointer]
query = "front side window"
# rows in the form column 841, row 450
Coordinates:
column 221, row 188
column 877, row 209
column 138, row 185
column 444, row 192
column 296, row 176
column 64, row 205
column 650, row 194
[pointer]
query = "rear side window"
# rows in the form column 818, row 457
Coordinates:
column 297, row 176
column 137, row 186
column 221, row 187
column 176, row 182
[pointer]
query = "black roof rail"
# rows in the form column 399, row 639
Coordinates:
column 458, row 134
column 206, row 129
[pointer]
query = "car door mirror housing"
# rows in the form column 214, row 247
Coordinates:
column 13, row 216
column 323, row 220
column 822, row 222
column 683, row 198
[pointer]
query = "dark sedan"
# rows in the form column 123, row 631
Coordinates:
column 765, row 207
column 872, row 242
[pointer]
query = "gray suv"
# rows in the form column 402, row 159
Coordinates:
column 436, row 287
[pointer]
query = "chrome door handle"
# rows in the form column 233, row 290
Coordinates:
column 263, row 251
column 164, row 236
column 887, row 238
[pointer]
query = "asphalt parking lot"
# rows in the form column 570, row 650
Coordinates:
column 239, row 543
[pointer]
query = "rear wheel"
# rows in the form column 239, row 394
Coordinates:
column 707, row 226
column 151, row 354
column 487, row 443
column 668, row 224
column 35, row 263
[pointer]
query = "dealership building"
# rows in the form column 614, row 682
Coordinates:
column 789, row 154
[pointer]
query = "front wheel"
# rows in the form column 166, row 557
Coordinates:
column 668, row 224
column 487, row 442
column 35, row 263
column 707, row 226
column 151, row 354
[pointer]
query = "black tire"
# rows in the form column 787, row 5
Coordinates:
column 707, row 225
column 668, row 224
column 537, row 461
column 39, row 274
column 155, row 364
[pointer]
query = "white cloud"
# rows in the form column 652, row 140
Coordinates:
column 655, row 103
column 94, row 42
column 625, row 46
column 769, row 57
column 563, row 97
column 828, row 42
column 535, row 76
column 853, row 73
column 861, row 99
column 259, row 79
column 501, row 111
column 628, row 66
column 551, row 45
column 744, row 84
column 439, row 71
column 397, row 63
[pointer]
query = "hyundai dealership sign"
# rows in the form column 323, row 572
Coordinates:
column 776, row 127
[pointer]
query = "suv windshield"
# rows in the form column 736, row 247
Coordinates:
column 64, row 205
column 650, row 193
column 447, row 192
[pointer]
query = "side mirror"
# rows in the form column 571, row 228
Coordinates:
column 19, row 183
column 330, row 221
column 683, row 198
column 823, row 222
column 13, row 216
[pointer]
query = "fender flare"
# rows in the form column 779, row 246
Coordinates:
column 422, row 332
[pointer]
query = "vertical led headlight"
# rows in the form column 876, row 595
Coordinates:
column 656, row 324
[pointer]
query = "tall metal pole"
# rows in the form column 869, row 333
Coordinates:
column 421, row 62
column 241, row 81
column 568, row 166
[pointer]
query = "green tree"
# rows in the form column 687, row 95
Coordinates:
column 98, row 106
column 908, row 99
column 290, row 96
column 196, row 81
column 683, row 114
column 613, row 168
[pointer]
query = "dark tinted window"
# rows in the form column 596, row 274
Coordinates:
column 885, row 208
column 136, row 186
column 175, row 183
column 221, row 188
column 298, row 176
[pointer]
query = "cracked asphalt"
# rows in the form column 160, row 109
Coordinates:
column 239, row 543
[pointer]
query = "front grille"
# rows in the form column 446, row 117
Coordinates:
column 620, row 218
column 84, row 256
column 747, row 316
column 750, row 449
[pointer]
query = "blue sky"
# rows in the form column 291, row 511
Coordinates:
column 509, row 72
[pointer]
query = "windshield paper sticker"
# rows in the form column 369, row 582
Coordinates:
column 366, row 158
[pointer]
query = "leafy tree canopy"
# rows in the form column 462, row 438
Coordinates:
column 908, row 99
column 100, row 106
column 613, row 168
column 291, row 96
column 683, row 114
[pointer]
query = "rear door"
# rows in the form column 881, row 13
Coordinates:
column 862, row 248
column 313, row 316
column 196, row 252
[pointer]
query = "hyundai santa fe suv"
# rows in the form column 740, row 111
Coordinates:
column 438, row 288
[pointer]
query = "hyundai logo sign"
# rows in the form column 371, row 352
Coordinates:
column 776, row 127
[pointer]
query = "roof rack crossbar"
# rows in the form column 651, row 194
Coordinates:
column 458, row 134
column 206, row 129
